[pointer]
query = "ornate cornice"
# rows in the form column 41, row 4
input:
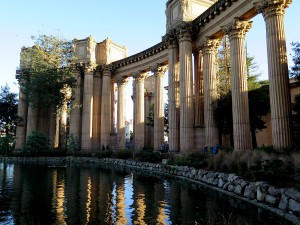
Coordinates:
column 160, row 47
column 271, row 8
column 237, row 28
column 211, row 12
column 210, row 46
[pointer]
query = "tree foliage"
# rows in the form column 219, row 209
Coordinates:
column 8, row 110
column 295, row 73
column 295, row 69
column 45, row 71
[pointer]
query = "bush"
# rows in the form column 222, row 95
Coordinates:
column 104, row 154
column 73, row 144
column 7, row 144
column 197, row 160
column 123, row 154
column 148, row 156
column 36, row 142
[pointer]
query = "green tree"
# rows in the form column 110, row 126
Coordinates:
column 295, row 69
column 45, row 71
column 295, row 73
column 8, row 110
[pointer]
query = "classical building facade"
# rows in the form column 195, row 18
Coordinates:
column 188, row 52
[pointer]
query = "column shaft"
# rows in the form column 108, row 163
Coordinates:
column 280, row 101
column 31, row 120
column 199, row 85
column 21, row 128
column 139, row 136
column 186, row 93
column 96, row 111
column 87, row 112
column 240, row 104
column 210, row 68
column 75, row 114
column 106, row 107
column 158, row 107
column 121, row 113
column 173, row 94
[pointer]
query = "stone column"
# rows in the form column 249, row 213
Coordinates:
column 31, row 120
column 63, row 126
column 121, row 113
column 87, row 110
column 97, row 88
column 280, row 100
column 76, row 110
column 139, row 136
column 186, row 89
column 106, row 107
column 173, row 94
column 159, row 72
column 22, row 125
column 199, row 88
column 52, row 126
column 240, row 104
column 210, row 68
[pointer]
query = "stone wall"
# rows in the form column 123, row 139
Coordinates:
column 284, row 202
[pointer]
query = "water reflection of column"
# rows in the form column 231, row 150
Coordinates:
column 139, row 206
column 58, row 197
column 160, row 202
column 105, row 199
column 120, row 202
column 84, row 196
column 175, row 203
column 72, row 195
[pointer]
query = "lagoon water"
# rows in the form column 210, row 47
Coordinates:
column 82, row 194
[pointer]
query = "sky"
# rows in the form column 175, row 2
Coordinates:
column 136, row 24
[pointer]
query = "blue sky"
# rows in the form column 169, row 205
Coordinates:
column 136, row 24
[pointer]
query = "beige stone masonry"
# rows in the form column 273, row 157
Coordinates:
column 210, row 68
column 139, row 135
column 280, row 101
column 159, row 72
column 240, row 104
column 121, row 113
column 186, row 89
column 106, row 106
column 87, row 111
column 173, row 94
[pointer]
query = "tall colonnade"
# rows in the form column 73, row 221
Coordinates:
column 188, row 55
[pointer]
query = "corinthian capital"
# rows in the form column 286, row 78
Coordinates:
column 140, row 76
column 184, row 31
column 159, row 70
column 106, row 69
column 122, row 81
column 210, row 46
column 237, row 28
column 272, row 7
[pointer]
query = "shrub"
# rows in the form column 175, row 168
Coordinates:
column 36, row 142
column 7, row 144
column 73, row 144
column 123, row 154
column 104, row 154
column 148, row 156
column 197, row 160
